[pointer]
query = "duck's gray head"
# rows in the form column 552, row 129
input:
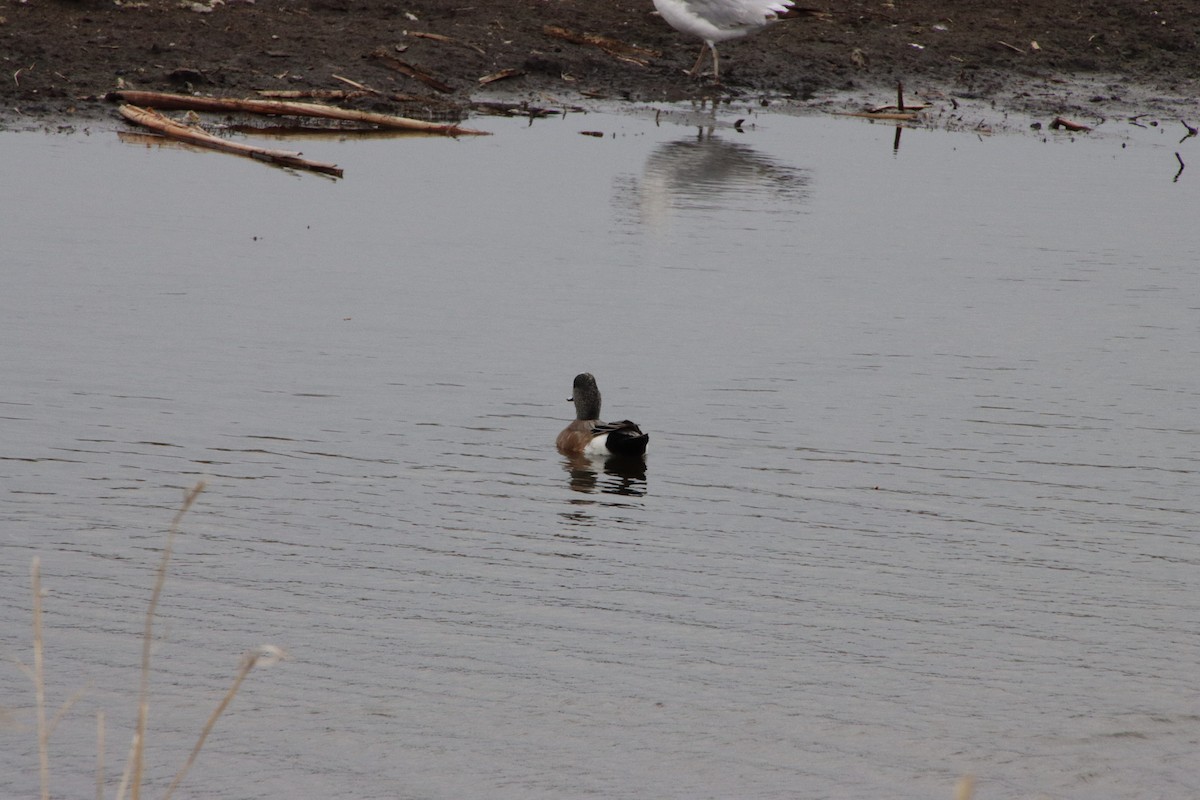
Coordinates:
column 586, row 397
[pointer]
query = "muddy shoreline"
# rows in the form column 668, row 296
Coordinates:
column 1088, row 60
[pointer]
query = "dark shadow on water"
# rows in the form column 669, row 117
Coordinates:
column 621, row 475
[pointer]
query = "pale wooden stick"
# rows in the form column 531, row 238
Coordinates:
column 168, row 127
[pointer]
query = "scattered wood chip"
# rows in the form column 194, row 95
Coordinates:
column 501, row 75
column 404, row 68
column 617, row 49
column 1014, row 48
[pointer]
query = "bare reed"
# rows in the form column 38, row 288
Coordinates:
column 139, row 736
column 39, row 679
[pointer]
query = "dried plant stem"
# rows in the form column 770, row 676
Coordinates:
column 133, row 745
column 63, row 709
column 100, row 754
column 39, row 679
column 139, row 736
column 248, row 662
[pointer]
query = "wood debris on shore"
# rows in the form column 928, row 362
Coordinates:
column 228, row 105
column 149, row 118
column 142, row 108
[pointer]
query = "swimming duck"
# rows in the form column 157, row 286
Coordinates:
column 587, row 434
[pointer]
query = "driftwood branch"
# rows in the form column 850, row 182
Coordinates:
column 150, row 118
column 228, row 105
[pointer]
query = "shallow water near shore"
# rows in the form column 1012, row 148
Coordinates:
column 920, row 499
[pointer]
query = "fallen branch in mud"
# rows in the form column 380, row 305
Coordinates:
column 228, row 105
column 155, row 121
column 898, row 116
column 501, row 75
column 615, row 48
column 1066, row 124
column 438, row 37
column 405, row 68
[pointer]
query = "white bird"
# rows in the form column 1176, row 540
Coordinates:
column 720, row 20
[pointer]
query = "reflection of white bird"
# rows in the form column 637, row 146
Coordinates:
column 719, row 20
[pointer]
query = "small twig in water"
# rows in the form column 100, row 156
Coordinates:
column 1190, row 132
column 1181, row 166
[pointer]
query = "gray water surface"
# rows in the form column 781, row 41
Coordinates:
column 921, row 496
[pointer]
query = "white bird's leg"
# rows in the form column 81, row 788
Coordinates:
column 716, row 65
column 695, row 70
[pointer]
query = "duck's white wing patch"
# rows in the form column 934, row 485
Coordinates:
column 597, row 445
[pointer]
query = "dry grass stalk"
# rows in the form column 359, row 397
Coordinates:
column 131, row 777
column 100, row 754
column 133, row 745
column 63, row 709
column 267, row 654
column 39, row 679
column 139, row 737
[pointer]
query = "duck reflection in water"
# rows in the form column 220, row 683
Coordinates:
column 623, row 475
